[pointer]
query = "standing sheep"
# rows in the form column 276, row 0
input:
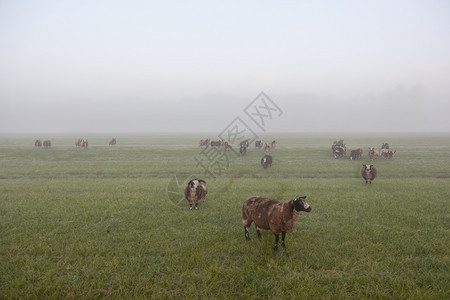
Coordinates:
column 368, row 172
column 195, row 191
column 278, row 216
column 266, row 161
column 373, row 152
column 356, row 154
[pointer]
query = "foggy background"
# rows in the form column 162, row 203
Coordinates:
column 159, row 66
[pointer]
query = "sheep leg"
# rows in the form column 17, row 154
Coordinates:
column 190, row 205
column 283, row 235
column 277, row 237
column 247, row 236
column 258, row 232
column 196, row 205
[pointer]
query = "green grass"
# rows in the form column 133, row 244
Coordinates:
column 99, row 222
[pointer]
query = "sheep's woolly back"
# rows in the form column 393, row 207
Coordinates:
column 270, row 214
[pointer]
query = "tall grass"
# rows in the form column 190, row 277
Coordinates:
column 99, row 222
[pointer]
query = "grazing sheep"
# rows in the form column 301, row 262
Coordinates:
column 38, row 143
column 195, row 191
column 266, row 161
column 373, row 152
column 368, row 172
column 354, row 154
column 112, row 141
column 258, row 144
column 278, row 216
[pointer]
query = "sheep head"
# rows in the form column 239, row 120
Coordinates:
column 301, row 205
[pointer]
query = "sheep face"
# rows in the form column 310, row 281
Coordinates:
column 195, row 191
column 301, row 205
column 368, row 172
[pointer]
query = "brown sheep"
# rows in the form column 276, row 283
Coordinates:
column 354, row 154
column 373, row 152
column 243, row 150
column 195, row 191
column 266, row 161
column 47, row 144
column 339, row 148
column 368, row 172
column 278, row 216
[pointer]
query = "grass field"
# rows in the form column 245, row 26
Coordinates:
column 109, row 221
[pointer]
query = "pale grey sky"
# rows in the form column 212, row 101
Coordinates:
column 138, row 66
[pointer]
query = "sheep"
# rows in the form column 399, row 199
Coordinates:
column 373, row 152
column 204, row 143
column 278, row 216
column 47, row 144
column 354, row 154
column 384, row 149
column 390, row 153
column 243, row 149
column 195, row 191
column 339, row 149
column 266, row 161
column 368, row 172
column 227, row 144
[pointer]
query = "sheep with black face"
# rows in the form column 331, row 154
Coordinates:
column 195, row 191
column 278, row 216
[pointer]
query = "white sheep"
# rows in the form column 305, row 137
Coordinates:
column 278, row 216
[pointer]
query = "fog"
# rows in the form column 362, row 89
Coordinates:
column 161, row 66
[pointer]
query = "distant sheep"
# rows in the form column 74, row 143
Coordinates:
column 390, row 153
column 243, row 150
column 47, row 144
column 266, row 161
column 339, row 149
column 355, row 154
column 368, row 172
column 244, row 143
column 195, row 191
column 278, row 216
column 373, row 152
column 204, row 143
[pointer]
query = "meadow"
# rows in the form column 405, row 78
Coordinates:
column 111, row 222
